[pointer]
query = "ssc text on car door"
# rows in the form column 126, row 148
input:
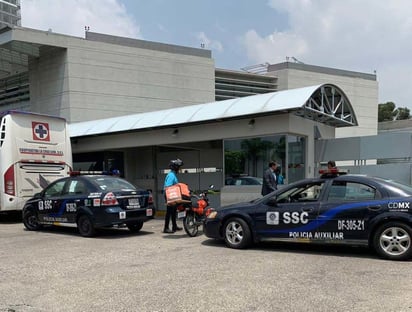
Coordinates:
column 291, row 214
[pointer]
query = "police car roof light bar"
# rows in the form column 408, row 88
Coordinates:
column 332, row 172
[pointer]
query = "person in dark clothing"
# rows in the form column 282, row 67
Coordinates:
column 171, row 179
column 331, row 164
column 269, row 179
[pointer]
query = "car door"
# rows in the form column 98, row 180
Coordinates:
column 48, row 206
column 291, row 213
column 75, row 194
column 344, row 213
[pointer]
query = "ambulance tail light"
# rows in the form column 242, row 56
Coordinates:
column 9, row 185
column 109, row 200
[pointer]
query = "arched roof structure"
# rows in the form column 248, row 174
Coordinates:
column 324, row 103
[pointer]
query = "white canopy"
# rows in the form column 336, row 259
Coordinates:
column 324, row 103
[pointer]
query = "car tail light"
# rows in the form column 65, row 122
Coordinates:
column 9, row 186
column 109, row 200
column 150, row 199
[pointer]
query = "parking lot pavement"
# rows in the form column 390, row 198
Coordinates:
column 58, row 270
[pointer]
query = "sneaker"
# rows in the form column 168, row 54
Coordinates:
column 168, row 231
column 177, row 228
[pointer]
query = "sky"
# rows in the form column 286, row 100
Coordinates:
column 368, row 36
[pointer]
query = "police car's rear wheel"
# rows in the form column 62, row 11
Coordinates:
column 135, row 227
column 85, row 226
column 393, row 241
column 237, row 233
column 30, row 221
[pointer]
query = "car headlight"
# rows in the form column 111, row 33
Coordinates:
column 212, row 214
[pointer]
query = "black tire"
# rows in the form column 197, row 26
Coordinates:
column 393, row 241
column 135, row 227
column 31, row 221
column 237, row 233
column 190, row 224
column 86, row 226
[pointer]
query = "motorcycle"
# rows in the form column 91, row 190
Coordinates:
column 194, row 212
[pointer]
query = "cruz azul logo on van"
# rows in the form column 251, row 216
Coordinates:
column 40, row 131
column 272, row 217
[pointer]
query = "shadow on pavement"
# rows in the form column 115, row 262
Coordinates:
column 10, row 217
column 300, row 248
column 101, row 233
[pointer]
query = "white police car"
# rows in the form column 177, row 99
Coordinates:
column 334, row 208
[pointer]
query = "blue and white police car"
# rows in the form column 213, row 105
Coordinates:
column 334, row 208
column 89, row 202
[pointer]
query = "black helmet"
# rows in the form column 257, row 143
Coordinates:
column 175, row 164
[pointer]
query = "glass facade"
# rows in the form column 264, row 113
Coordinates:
column 10, row 14
column 250, row 156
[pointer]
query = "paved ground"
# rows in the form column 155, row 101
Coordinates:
column 57, row 270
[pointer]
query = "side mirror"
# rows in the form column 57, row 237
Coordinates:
column 272, row 202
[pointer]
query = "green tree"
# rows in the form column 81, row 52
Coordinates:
column 388, row 112
column 385, row 111
column 234, row 162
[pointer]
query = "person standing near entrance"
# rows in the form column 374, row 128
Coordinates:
column 269, row 179
column 332, row 165
column 171, row 179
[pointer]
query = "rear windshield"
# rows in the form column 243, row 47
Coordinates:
column 108, row 183
column 398, row 188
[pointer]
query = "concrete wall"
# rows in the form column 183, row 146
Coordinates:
column 88, row 79
column 49, row 84
column 108, row 80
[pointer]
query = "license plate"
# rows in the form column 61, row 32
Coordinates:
column 181, row 214
column 134, row 202
column 149, row 212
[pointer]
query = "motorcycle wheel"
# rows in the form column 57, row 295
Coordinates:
column 190, row 224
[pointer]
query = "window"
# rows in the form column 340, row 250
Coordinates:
column 77, row 187
column 302, row 193
column 351, row 191
column 55, row 189
column 250, row 156
column 244, row 181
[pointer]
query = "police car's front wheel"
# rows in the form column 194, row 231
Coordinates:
column 393, row 241
column 237, row 233
column 30, row 221
column 85, row 226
